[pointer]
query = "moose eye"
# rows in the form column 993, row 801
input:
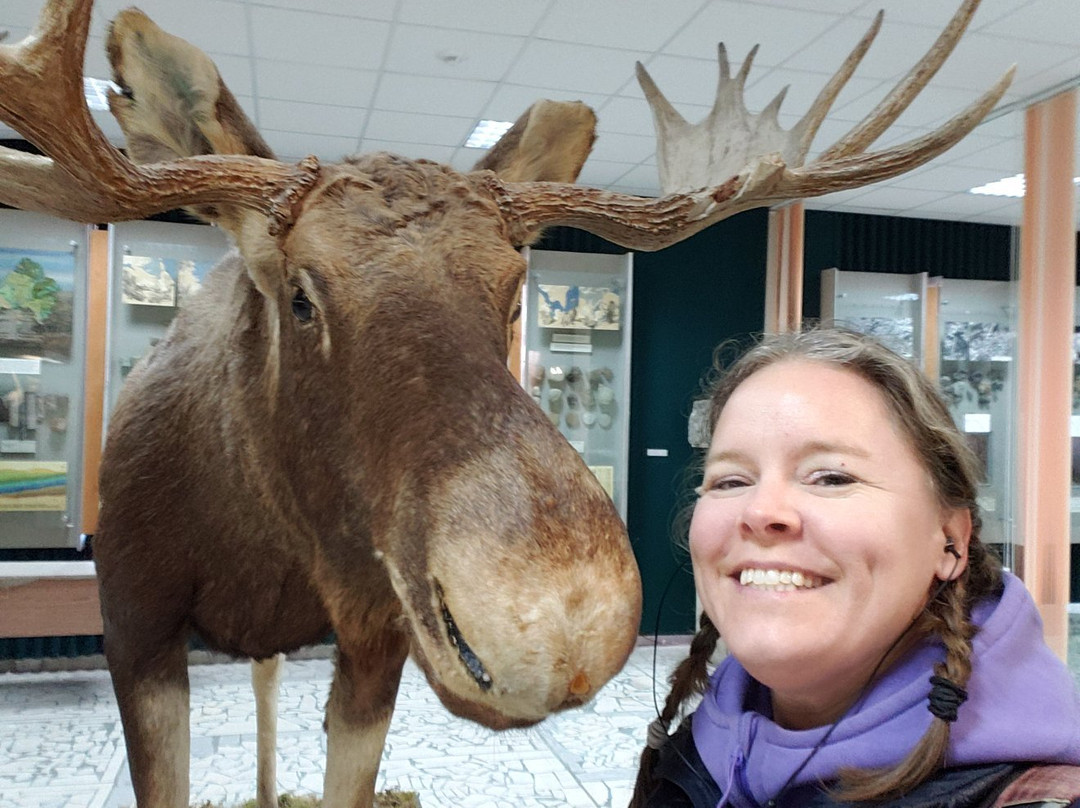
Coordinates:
column 301, row 306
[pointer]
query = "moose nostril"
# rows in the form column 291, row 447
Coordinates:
column 580, row 684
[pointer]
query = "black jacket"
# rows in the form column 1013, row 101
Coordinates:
column 682, row 781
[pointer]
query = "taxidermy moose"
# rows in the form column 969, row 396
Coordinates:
column 299, row 454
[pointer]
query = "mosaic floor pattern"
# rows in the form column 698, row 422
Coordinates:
column 61, row 744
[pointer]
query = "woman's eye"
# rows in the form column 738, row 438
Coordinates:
column 725, row 484
column 833, row 478
column 301, row 306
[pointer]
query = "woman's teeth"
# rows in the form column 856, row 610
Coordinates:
column 778, row 580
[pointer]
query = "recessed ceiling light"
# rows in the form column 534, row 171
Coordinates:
column 97, row 92
column 487, row 133
column 1009, row 186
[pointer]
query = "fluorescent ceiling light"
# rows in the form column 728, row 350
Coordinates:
column 487, row 134
column 97, row 92
column 1009, row 186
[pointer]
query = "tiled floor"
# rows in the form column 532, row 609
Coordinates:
column 61, row 744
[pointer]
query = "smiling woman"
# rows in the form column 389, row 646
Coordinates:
column 878, row 651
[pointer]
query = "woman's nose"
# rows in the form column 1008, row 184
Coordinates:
column 770, row 511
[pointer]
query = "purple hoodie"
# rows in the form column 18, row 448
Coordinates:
column 1023, row 705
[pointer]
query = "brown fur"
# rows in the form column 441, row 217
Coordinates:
column 266, row 480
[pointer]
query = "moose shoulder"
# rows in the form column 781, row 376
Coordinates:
column 328, row 437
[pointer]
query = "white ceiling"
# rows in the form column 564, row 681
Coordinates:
column 332, row 77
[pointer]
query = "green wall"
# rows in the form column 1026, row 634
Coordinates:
column 688, row 299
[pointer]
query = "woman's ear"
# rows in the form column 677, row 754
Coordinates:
column 956, row 527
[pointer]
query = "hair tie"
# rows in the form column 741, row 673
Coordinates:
column 658, row 734
column 945, row 698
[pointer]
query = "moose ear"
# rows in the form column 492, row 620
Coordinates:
column 173, row 103
column 549, row 143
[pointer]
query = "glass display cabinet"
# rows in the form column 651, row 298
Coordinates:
column 977, row 347
column 154, row 268
column 891, row 307
column 575, row 358
column 43, row 298
column 961, row 332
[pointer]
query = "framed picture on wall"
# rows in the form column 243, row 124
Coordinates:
column 37, row 293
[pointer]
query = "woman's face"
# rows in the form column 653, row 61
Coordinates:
column 817, row 536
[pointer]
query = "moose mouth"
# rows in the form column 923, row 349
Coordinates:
column 468, row 658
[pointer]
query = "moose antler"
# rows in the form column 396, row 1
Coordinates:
column 734, row 161
column 84, row 177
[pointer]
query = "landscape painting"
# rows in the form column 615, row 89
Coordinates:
column 37, row 297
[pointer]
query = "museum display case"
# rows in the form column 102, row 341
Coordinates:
column 48, row 442
column 43, row 294
column 575, row 357
column 154, row 268
column 961, row 332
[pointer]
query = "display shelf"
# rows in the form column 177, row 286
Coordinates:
column 43, row 291
column 575, row 360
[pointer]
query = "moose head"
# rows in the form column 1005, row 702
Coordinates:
column 328, row 437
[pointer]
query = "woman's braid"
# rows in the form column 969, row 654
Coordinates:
column 687, row 680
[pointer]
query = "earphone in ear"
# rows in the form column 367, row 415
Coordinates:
column 950, row 548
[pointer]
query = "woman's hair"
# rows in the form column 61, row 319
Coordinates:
column 923, row 418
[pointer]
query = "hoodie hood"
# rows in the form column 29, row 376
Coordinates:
column 1022, row 706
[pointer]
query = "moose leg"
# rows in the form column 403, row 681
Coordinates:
column 151, row 686
column 265, row 681
column 358, row 716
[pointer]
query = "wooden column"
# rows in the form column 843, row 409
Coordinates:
column 1047, row 286
column 97, row 307
column 784, row 269
column 931, row 359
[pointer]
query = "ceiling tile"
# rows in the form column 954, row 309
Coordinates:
column 515, row 17
column 1045, row 21
column 936, row 13
column 681, row 80
column 187, row 20
column 639, row 25
column 436, row 130
column 616, row 148
column 451, row 54
column 316, row 84
column 1006, row 156
column 510, row 100
column 804, row 88
column 437, row 96
column 897, row 47
column 317, row 119
column 414, row 151
column 316, row 66
column 957, row 179
column 780, row 31
column 979, row 59
column 882, row 195
column 827, row 6
column 602, row 174
column 328, row 148
column 464, row 159
column 958, row 206
column 631, row 116
column 567, row 66
column 369, row 9
column 318, row 39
